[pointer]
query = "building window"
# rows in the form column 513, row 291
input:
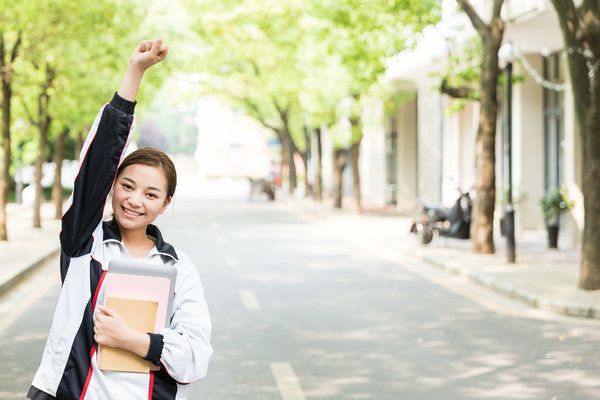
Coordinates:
column 553, row 123
column 391, row 164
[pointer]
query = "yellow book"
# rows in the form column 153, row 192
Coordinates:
column 139, row 315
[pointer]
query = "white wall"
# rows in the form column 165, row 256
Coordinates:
column 372, row 158
column 528, row 148
column 430, row 144
column 408, row 156
column 327, row 162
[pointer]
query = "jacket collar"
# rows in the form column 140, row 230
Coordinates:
column 111, row 232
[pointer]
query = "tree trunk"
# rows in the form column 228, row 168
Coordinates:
column 485, row 157
column 288, row 169
column 290, row 146
column 306, row 155
column 580, row 28
column 589, row 277
column 306, row 184
column 482, row 233
column 6, row 156
column 317, row 187
column 43, row 128
column 304, row 158
column 44, row 121
column 293, row 179
column 6, row 69
column 339, row 161
column 57, row 192
column 354, row 157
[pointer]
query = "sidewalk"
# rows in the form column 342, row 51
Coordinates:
column 542, row 278
column 27, row 248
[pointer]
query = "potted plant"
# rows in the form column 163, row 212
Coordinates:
column 554, row 204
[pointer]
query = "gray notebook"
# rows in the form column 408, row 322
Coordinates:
column 144, row 268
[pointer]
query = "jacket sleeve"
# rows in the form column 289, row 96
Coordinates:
column 101, row 154
column 186, row 350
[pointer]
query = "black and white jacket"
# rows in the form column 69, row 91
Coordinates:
column 69, row 368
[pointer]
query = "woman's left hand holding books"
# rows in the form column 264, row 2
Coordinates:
column 111, row 330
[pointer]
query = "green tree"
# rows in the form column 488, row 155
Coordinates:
column 54, row 49
column 324, row 87
column 271, row 56
column 364, row 35
column 580, row 23
column 251, row 59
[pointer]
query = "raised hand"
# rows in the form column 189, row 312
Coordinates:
column 149, row 52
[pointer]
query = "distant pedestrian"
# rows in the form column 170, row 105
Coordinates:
column 143, row 186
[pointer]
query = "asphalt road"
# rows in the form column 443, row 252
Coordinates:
column 311, row 308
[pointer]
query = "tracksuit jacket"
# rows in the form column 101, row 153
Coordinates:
column 69, row 366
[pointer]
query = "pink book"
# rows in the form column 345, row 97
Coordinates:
column 141, row 281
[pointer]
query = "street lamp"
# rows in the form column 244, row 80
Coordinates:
column 506, row 54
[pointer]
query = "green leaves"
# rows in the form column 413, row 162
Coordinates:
column 303, row 56
column 86, row 45
column 555, row 203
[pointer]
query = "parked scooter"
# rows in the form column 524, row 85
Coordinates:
column 454, row 222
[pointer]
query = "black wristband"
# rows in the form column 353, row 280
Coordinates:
column 155, row 349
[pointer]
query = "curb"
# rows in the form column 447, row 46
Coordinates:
column 21, row 275
column 533, row 300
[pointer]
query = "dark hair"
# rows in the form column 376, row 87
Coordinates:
column 153, row 158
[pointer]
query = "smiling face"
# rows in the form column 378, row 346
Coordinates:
column 139, row 196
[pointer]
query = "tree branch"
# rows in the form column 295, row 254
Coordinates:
column 497, row 8
column 255, row 68
column 15, row 49
column 283, row 113
column 588, row 15
column 2, row 56
column 588, row 5
column 479, row 25
column 28, row 113
column 463, row 92
column 567, row 17
column 255, row 109
column 250, row 104
column 569, row 23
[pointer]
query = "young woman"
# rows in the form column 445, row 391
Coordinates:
column 143, row 185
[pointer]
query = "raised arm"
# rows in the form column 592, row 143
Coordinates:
column 101, row 154
column 145, row 55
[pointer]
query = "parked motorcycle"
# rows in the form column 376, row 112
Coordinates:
column 454, row 222
column 260, row 186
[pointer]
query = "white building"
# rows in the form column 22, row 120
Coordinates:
column 427, row 152
column 230, row 144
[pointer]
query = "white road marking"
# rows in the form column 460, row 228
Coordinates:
column 287, row 382
column 249, row 299
column 27, row 302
